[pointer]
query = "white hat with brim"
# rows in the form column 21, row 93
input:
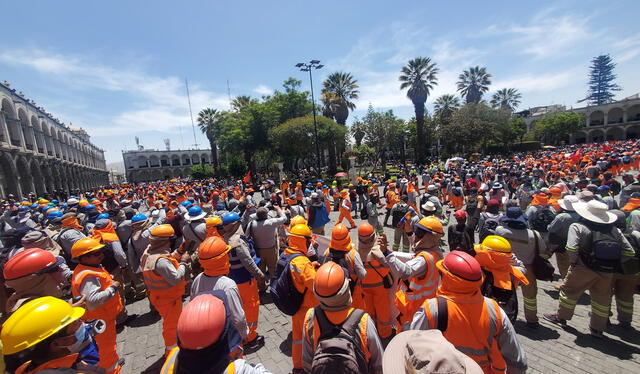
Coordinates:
column 567, row 202
column 429, row 206
column 425, row 351
column 595, row 211
column 195, row 218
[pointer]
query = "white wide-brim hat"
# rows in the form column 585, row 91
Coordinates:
column 567, row 202
column 595, row 211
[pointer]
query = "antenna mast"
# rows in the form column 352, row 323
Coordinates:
column 229, row 93
column 193, row 126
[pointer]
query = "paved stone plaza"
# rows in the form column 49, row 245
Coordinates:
column 549, row 349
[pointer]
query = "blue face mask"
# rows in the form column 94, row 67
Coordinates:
column 81, row 336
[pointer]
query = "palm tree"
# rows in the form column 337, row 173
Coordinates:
column 419, row 76
column 473, row 83
column 358, row 131
column 506, row 98
column 445, row 105
column 343, row 88
column 208, row 121
column 241, row 101
column 328, row 104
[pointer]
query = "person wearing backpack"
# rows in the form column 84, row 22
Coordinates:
column 596, row 248
column 489, row 220
column 342, row 252
column 474, row 324
column 459, row 237
column 291, row 289
column 400, row 213
column 213, row 255
column 626, row 278
column 540, row 214
column 431, row 195
column 501, row 277
column 244, row 270
column 559, row 230
column 337, row 337
column 525, row 244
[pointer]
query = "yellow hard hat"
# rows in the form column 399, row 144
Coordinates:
column 162, row 231
column 84, row 246
column 298, row 220
column 497, row 244
column 35, row 321
column 431, row 224
column 214, row 221
column 301, row 230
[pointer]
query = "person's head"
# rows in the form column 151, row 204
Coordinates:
column 460, row 216
column 32, row 261
column 428, row 232
column 299, row 238
column 366, row 235
column 621, row 219
column 340, row 238
column 493, row 206
column 43, row 329
column 514, row 218
column 88, row 251
column 262, row 213
column 213, row 224
column 604, row 190
column 404, row 198
column 428, row 208
column 627, row 178
column 230, row 223
column 213, row 255
column 461, row 273
column 331, row 287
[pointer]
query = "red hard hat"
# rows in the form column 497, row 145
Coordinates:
column 216, row 193
column 463, row 265
column 29, row 261
column 201, row 322
column 460, row 215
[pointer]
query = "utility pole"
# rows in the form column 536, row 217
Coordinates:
column 313, row 64
column 193, row 126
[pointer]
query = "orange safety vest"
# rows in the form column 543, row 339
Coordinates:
column 375, row 273
column 158, row 287
column 65, row 362
column 418, row 289
column 172, row 358
column 112, row 307
column 476, row 339
column 391, row 198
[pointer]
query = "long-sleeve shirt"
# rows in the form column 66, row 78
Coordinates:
column 579, row 238
column 244, row 255
column 68, row 237
column 205, row 283
column 90, row 287
column 264, row 232
column 415, row 267
column 194, row 232
column 243, row 367
column 166, row 270
column 118, row 253
column 560, row 225
column 523, row 243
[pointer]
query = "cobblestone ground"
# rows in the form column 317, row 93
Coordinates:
column 549, row 349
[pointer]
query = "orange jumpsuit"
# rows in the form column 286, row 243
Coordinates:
column 106, row 312
column 375, row 297
column 303, row 274
column 345, row 212
column 165, row 297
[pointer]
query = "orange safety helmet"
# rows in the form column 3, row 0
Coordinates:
column 162, row 232
column 212, row 248
column 84, row 246
column 365, row 229
column 201, row 322
column 329, row 279
column 340, row 238
column 462, row 265
column 30, row 261
column 431, row 225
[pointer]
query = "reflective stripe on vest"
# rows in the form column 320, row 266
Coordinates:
column 109, row 308
column 423, row 288
column 375, row 274
column 237, row 271
column 157, row 283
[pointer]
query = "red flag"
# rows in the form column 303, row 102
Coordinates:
column 247, row 177
column 576, row 156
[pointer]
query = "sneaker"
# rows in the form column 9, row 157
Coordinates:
column 256, row 342
column 553, row 318
column 595, row 333
column 625, row 325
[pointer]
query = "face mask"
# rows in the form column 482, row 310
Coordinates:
column 81, row 335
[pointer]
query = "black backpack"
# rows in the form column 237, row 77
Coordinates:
column 398, row 214
column 472, row 204
column 364, row 213
column 339, row 349
column 460, row 240
column 605, row 252
column 490, row 225
column 542, row 219
column 507, row 299
column 283, row 293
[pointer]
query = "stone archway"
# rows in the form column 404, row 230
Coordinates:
column 8, row 176
column 615, row 133
column 580, row 137
column 633, row 132
column 38, row 180
column 24, row 176
column 633, row 113
column 596, row 136
column 596, row 118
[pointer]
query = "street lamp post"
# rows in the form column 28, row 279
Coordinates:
column 313, row 64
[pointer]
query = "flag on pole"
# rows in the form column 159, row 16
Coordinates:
column 247, row 177
column 575, row 158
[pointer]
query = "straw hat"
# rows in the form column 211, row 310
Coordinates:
column 595, row 211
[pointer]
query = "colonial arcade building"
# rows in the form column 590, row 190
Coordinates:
column 39, row 154
column 147, row 165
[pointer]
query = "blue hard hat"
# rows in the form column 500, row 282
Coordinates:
column 195, row 212
column 45, row 208
column 103, row 216
column 138, row 217
column 320, row 181
column 54, row 201
column 54, row 214
column 230, row 218
column 219, row 206
column 186, row 203
column 604, row 187
column 89, row 207
column 23, row 208
column 33, row 206
column 324, row 186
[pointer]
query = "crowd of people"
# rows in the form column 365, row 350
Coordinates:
column 440, row 296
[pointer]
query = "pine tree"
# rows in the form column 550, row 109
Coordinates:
column 601, row 81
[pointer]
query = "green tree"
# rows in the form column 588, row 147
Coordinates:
column 384, row 132
column 240, row 101
column 209, row 123
column 445, row 106
column 291, row 103
column 358, row 131
column 201, row 171
column 364, row 154
column 419, row 76
column 506, row 99
column 340, row 89
column 294, row 140
column 473, row 83
column 601, row 81
column 554, row 128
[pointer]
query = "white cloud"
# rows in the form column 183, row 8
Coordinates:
column 263, row 90
column 156, row 103
column 540, row 82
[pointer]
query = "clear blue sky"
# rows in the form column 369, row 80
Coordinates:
column 117, row 68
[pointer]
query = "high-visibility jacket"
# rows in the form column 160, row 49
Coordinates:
column 414, row 291
column 170, row 364
column 392, row 198
column 112, row 307
column 65, row 362
column 158, row 287
column 478, row 329
column 375, row 273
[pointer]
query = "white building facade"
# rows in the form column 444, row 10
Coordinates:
column 39, row 154
column 153, row 165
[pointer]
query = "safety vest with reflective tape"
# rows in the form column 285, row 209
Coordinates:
column 157, row 285
column 66, row 362
column 172, row 359
column 112, row 307
column 237, row 271
column 412, row 295
column 375, row 273
column 472, row 328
